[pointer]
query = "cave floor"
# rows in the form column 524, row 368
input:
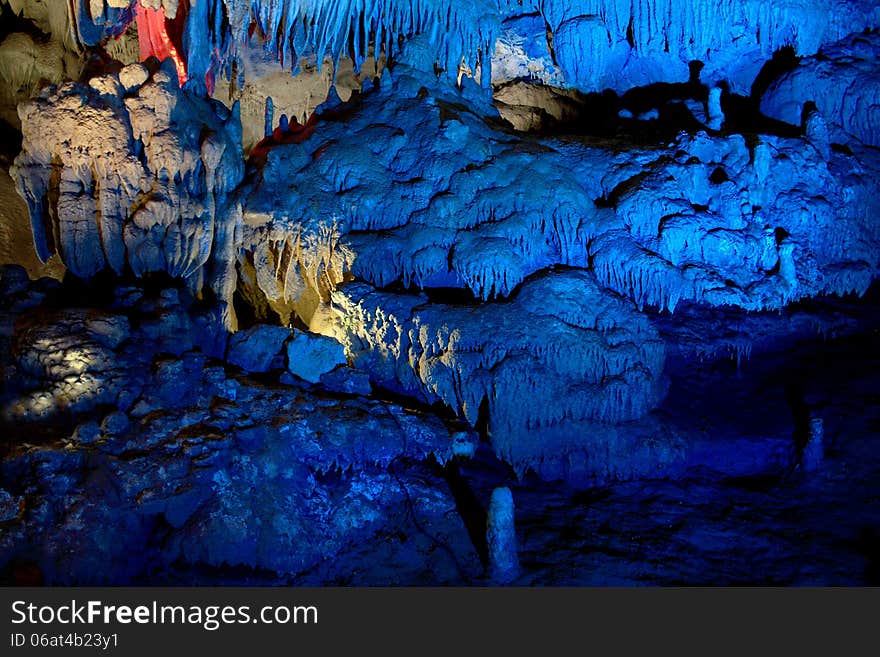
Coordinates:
column 782, row 527
column 727, row 521
column 788, row 527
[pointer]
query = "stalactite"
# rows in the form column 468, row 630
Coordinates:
column 133, row 177
column 160, row 34
column 564, row 352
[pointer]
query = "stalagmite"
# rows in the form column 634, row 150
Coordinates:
column 814, row 451
column 501, row 537
column 816, row 130
column 716, row 114
column 269, row 117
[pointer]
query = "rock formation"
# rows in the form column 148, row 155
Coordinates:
column 341, row 280
column 132, row 174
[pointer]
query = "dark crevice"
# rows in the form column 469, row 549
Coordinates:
column 630, row 34
column 449, row 296
column 550, row 49
column 414, row 404
column 658, row 112
column 783, row 61
column 718, row 176
column 482, row 425
column 800, row 411
column 742, row 114
column 10, row 143
column 472, row 512
column 10, row 23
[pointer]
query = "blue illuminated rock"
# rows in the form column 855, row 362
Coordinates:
column 259, row 348
column 421, row 192
column 66, row 362
column 540, row 369
column 627, row 295
column 596, row 45
column 347, row 380
column 310, row 356
column 843, row 84
column 10, row 507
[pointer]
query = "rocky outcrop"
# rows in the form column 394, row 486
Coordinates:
column 144, row 452
column 550, row 243
column 132, row 174
column 841, row 82
column 560, row 357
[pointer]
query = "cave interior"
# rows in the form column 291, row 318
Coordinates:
column 440, row 292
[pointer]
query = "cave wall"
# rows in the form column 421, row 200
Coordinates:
column 386, row 162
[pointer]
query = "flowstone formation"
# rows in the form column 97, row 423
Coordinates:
column 547, row 370
column 457, row 260
column 706, row 218
column 725, row 222
column 133, row 174
column 560, row 252
column 337, row 271
column 841, row 82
